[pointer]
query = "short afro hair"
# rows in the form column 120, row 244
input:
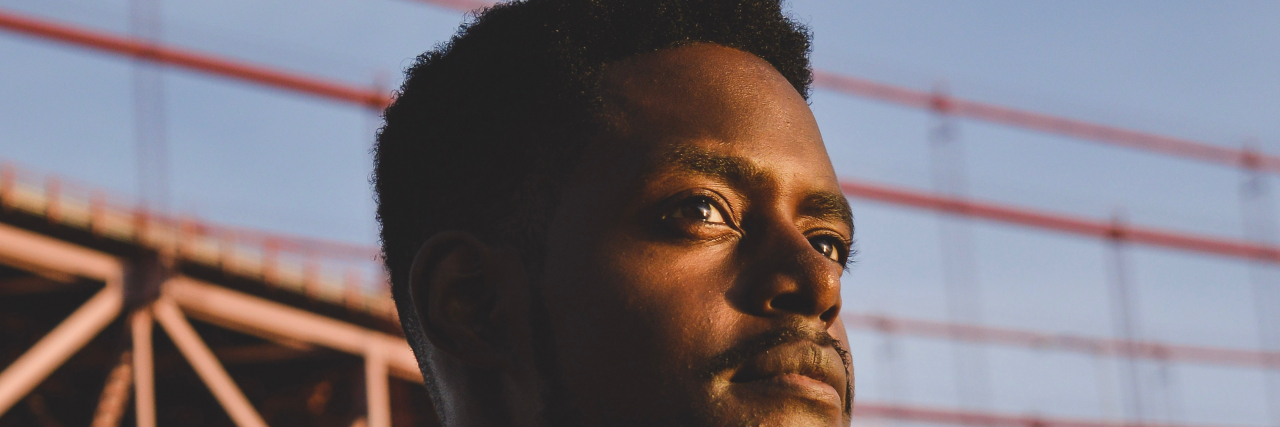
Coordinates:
column 488, row 125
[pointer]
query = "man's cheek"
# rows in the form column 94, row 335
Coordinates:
column 837, row 330
column 679, row 293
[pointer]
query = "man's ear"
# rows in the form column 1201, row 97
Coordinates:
column 456, row 287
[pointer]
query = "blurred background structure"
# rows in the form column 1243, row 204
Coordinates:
column 1064, row 211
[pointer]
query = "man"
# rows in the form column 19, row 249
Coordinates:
column 610, row 212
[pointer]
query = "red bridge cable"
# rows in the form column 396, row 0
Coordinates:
column 1008, row 116
column 1063, row 342
column 1062, row 223
column 984, row 419
column 102, row 41
column 459, row 5
column 374, row 98
column 1115, row 136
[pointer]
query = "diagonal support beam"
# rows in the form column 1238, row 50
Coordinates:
column 206, row 365
column 55, row 348
column 375, row 381
column 270, row 320
column 144, row 388
column 115, row 394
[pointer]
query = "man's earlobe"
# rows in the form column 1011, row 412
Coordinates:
column 455, row 286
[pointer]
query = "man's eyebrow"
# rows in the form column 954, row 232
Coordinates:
column 736, row 170
column 828, row 206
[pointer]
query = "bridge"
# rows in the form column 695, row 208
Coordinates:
column 116, row 315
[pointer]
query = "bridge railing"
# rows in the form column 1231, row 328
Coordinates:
column 341, row 273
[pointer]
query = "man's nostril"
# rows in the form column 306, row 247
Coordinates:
column 793, row 303
column 830, row 314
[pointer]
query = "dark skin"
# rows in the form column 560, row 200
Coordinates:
column 692, row 272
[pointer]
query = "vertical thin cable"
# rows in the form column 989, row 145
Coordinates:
column 1258, row 220
column 150, row 132
column 1124, row 320
column 964, row 298
column 891, row 376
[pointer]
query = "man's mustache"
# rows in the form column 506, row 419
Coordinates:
column 751, row 348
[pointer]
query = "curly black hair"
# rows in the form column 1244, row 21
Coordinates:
column 488, row 125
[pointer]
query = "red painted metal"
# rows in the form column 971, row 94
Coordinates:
column 1009, row 116
column 1177, row 147
column 193, row 61
column 1064, row 342
column 984, row 419
column 373, row 98
column 1062, row 223
column 459, row 5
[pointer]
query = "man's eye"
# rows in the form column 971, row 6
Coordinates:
column 829, row 247
column 699, row 209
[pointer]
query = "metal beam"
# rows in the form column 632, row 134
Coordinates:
column 270, row 320
column 144, row 388
column 55, row 348
column 375, row 381
column 115, row 394
column 206, row 365
column 45, row 255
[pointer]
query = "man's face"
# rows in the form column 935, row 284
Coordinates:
column 693, row 266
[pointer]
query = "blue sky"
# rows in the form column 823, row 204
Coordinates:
column 1206, row 71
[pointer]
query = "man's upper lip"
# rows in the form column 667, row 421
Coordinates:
column 806, row 358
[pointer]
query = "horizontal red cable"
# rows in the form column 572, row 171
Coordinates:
column 1062, row 223
column 983, row 419
column 193, row 61
column 461, row 5
column 1008, row 116
column 850, row 85
column 1064, row 342
column 1045, row 123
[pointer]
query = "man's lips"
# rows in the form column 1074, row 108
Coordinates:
column 803, row 367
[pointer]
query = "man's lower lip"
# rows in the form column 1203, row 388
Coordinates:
column 799, row 385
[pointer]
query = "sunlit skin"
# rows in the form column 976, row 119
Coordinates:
column 692, row 271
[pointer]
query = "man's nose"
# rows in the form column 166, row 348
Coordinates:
column 791, row 278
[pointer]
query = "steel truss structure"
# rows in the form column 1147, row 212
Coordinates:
column 146, row 287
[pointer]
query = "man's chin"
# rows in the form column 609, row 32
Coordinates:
column 782, row 417
column 770, row 405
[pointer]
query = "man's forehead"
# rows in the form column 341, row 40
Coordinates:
column 699, row 60
column 710, row 93
column 705, row 80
